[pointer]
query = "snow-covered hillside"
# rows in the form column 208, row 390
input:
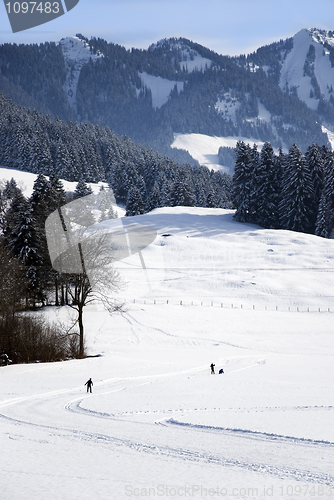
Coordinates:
column 25, row 181
column 76, row 53
column 191, row 59
column 158, row 424
column 204, row 148
column 293, row 69
column 160, row 88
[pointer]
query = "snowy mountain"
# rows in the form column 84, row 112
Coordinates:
column 282, row 93
column 304, row 66
column 308, row 67
column 253, row 302
column 76, row 53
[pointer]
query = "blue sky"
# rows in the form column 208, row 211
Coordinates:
column 226, row 26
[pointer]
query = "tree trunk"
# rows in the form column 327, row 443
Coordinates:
column 56, row 289
column 81, row 331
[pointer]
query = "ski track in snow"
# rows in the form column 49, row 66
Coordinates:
column 296, row 446
column 156, row 413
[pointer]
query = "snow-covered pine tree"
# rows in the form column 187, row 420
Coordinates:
column 42, row 202
column 58, row 193
column 153, row 200
column 134, row 202
column 266, row 214
column 324, row 221
column 211, row 199
column 17, row 206
column 166, row 192
column 26, row 246
column 183, row 193
column 82, row 189
column 253, row 167
column 325, row 217
column 242, row 181
column 297, row 193
column 62, row 163
column 316, row 165
column 277, row 187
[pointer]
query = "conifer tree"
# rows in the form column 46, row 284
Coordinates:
column 253, row 168
column 154, row 198
column 134, row 202
column 325, row 217
column 82, row 189
column 25, row 245
column 297, row 193
column 242, row 180
column 316, row 165
column 266, row 210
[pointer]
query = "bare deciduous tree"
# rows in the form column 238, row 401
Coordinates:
column 97, row 279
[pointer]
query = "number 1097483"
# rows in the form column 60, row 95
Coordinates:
column 31, row 7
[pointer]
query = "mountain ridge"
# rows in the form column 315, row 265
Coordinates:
column 177, row 86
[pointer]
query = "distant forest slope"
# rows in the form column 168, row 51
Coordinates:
column 35, row 143
column 203, row 92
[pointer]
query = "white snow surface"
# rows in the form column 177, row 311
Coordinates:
column 292, row 72
column 330, row 136
column 204, row 148
column 160, row 88
column 158, row 424
column 227, row 106
column 25, row 181
column 193, row 61
column 76, row 53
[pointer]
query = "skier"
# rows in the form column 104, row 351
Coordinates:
column 221, row 371
column 212, row 366
column 89, row 384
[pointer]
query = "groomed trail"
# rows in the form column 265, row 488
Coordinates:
column 158, row 424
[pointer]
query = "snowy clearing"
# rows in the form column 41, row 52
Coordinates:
column 204, row 148
column 160, row 88
column 25, row 181
column 158, row 424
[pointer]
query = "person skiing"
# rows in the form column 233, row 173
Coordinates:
column 212, row 366
column 221, row 371
column 89, row 384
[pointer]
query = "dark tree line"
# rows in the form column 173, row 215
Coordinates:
column 27, row 278
column 33, row 142
column 285, row 191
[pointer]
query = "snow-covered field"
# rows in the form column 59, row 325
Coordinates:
column 25, row 181
column 204, row 148
column 158, row 424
